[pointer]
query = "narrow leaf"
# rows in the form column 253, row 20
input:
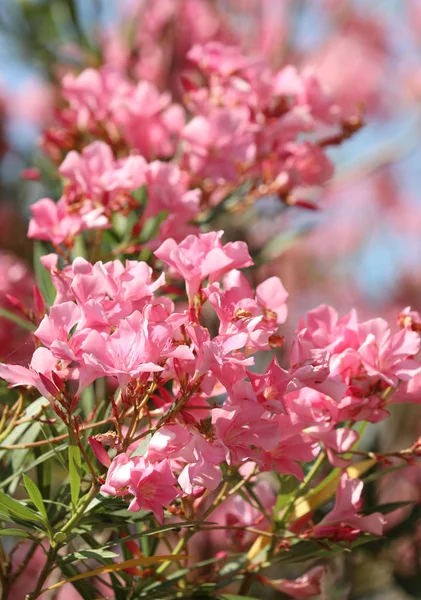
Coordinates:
column 75, row 464
column 42, row 276
column 13, row 532
column 7, row 314
column 12, row 507
column 34, row 463
column 35, row 496
column 134, row 562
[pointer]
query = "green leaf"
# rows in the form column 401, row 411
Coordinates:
column 75, row 470
column 309, row 550
column 13, row 532
column 33, row 464
column 157, row 531
column 16, row 435
column 35, row 496
column 92, row 553
column 13, row 508
column 42, row 276
column 151, row 227
column 140, row 194
column 7, row 314
column 288, row 486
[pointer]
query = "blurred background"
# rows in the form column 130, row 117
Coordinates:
column 361, row 248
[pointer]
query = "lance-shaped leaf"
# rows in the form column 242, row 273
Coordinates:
column 143, row 561
column 75, row 465
column 13, row 508
column 35, row 496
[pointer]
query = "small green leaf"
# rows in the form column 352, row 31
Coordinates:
column 140, row 194
column 288, row 486
column 13, row 532
column 52, row 453
column 7, row 314
column 75, row 464
column 42, row 276
column 13, row 508
column 91, row 553
column 35, row 496
column 151, row 227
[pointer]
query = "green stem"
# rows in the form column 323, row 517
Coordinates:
column 79, row 512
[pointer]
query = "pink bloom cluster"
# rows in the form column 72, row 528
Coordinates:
column 357, row 364
column 248, row 124
column 211, row 407
column 98, row 185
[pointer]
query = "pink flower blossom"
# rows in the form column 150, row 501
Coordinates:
column 197, row 258
column 220, row 145
column 243, row 429
column 149, row 121
column 152, row 485
column 53, row 222
column 306, row 586
column 344, row 521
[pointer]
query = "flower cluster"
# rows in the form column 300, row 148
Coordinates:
column 188, row 375
column 156, row 330
column 247, row 124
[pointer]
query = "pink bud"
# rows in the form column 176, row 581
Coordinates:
column 39, row 302
column 99, row 452
column 16, row 303
column 49, row 385
column 57, row 381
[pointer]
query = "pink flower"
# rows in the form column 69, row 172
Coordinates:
column 307, row 92
column 237, row 512
column 128, row 352
column 93, row 93
column 152, row 485
column 344, row 520
column 168, row 190
column 42, row 362
column 307, row 164
column 270, row 387
column 306, row 586
column 85, row 170
column 53, row 222
column 386, row 355
column 294, row 447
column 239, row 312
column 149, row 121
column 243, row 429
column 215, row 57
column 16, row 280
column 219, row 145
column 96, row 175
column 271, row 296
column 198, row 257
